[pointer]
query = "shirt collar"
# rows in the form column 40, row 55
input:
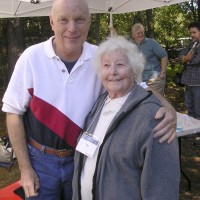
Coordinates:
column 86, row 53
column 119, row 100
column 143, row 41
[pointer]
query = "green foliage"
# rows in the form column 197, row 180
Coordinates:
column 123, row 23
column 168, row 24
column 99, row 28
column 172, row 68
column 36, row 29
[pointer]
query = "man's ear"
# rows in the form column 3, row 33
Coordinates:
column 90, row 20
column 51, row 22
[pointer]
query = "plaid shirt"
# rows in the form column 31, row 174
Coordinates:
column 191, row 74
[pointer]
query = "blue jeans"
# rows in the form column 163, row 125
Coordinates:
column 55, row 175
column 192, row 101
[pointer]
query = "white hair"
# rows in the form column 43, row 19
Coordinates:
column 118, row 43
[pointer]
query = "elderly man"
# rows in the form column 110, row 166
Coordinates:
column 156, row 59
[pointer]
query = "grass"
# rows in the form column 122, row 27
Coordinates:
column 7, row 175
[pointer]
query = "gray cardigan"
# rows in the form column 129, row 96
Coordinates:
column 131, row 164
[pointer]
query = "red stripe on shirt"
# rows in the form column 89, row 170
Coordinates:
column 55, row 120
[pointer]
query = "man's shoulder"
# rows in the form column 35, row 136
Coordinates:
column 41, row 48
column 186, row 49
column 37, row 46
column 89, row 50
column 146, row 39
column 151, row 40
column 189, row 46
column 90, row 46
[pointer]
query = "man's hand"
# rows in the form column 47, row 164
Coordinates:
column 166, row 129
column 30, row 182
column 188, row 57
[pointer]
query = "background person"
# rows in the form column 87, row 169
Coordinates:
column 190, row 57
column 156, row 59
column 51, row 91
column 128, row 163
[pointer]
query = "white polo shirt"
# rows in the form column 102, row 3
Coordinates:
column 57, row 99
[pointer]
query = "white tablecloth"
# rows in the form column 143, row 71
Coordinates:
column 186, row 125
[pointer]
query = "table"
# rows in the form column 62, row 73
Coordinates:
column 186, row 125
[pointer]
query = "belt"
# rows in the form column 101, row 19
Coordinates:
column 56, row 152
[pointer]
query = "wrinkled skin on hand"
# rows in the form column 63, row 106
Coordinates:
column 30, row 182
column 166, row 129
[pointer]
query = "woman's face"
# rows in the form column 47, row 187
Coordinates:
column 116, row 74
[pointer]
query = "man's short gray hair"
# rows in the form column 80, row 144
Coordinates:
column 137, row 26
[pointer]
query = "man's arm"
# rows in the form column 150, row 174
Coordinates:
column 163, row 63
column 188, row 57
column 166, row 129
column 186, row 54
column 16, row 131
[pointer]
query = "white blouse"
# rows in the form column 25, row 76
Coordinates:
column 110, row 109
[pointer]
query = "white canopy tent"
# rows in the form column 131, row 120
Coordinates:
column 31, row 8
column 24, row 8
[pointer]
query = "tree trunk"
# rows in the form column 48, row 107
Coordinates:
column 198, row 13
column 97, row 28
column 15, row 42
column 150, row 21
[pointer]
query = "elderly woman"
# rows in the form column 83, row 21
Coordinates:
column 117, row 156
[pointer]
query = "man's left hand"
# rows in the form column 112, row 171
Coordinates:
column 166, row 129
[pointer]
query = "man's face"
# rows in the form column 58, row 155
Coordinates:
column 194, row 34
column 138, row 35
column 70, row 21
